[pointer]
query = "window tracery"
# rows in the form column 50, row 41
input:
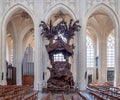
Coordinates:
column 90, row 52
column 110, row 51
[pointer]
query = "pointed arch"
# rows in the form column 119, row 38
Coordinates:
column 56, row 8
column 8, row 13
column 106, row 9
column 5, row 20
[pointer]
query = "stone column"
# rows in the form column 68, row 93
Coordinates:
column 18, row 61
column 45, row 60
column 81, row 62
column 2, row 46
column 117, row 57
column 0, row 55
column 38, row 64
column 81, row 75
column 102, row 67
column 3, row 55
column 95, row 55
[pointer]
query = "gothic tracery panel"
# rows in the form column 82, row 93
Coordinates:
column 29, row 3
column 49, row 3
column 111, row 3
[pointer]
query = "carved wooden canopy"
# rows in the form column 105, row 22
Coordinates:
column 59, row 36
column 62, row 30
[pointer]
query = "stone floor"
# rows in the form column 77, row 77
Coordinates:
column 86, row 94
column 67, row 96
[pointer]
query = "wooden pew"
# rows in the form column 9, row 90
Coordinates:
column 14, row 92
column 33, row 96
column 96, row 96
column 15, row 97
column 105, row 90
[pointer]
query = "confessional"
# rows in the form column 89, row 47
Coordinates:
column 11, row 75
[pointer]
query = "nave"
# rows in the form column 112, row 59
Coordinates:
column 94, row 91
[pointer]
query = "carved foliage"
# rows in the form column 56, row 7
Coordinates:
column 61, row 77
column 68, row 31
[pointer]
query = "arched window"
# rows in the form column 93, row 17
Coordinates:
column 90, row 52
column 110, row 51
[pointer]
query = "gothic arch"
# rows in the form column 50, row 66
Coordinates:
column 106, row 9
column 111, row 13
column 12, row 10
column 58, row 7
column 5, row 19
column 8, row 13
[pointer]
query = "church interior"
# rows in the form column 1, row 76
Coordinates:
column 59, row 50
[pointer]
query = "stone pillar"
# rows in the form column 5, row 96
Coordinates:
column 2, row 44
column 0, row 55
column 117, row 57
column 81, row 70
column 18, row 60
column 3, row 55
column 102, row 67
column 38, row 70
column 38, row 63
column 81, row 60
column 45, row 58
column 95, row 55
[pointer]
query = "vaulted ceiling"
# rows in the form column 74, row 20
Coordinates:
column 20, row 25
column 99, row 25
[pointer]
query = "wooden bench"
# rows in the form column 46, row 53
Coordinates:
column 14, row 92
column 33, row 96
column 15, row 97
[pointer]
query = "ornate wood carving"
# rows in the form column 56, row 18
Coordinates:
column 68, row 31
column 59, row 36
